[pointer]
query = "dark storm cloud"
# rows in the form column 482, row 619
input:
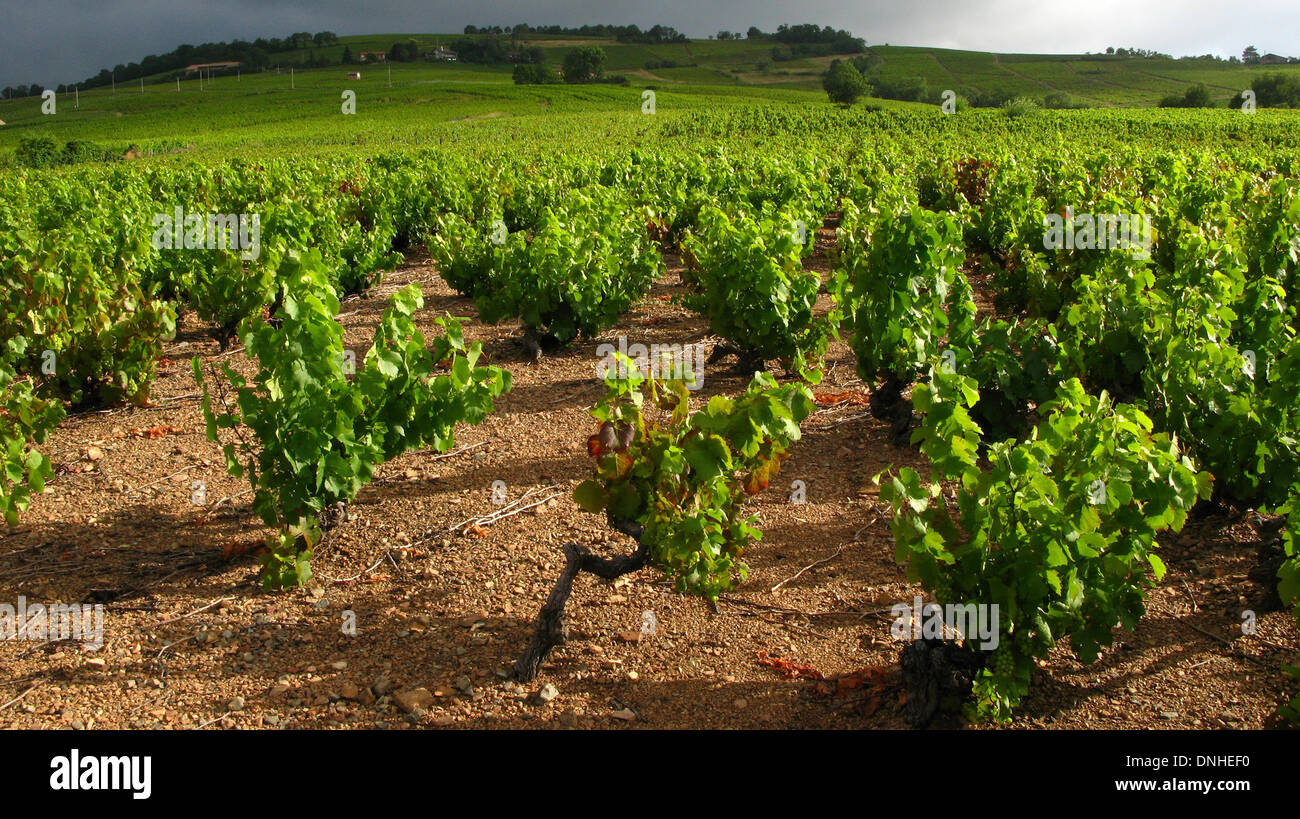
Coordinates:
column 56, row 41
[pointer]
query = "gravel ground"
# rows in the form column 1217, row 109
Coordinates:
column 192, row 641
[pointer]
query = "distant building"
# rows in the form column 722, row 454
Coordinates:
column 224, row 66
column 374, row 57
column 443, row 54
column 354, row 75
column 1272, row 59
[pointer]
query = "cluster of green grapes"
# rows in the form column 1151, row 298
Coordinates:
column 1024, row 641
column 1003, row 661
column 943, row 587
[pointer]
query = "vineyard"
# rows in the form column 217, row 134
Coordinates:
column 851, row 368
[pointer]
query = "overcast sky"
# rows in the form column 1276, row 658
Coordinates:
column 58, row 41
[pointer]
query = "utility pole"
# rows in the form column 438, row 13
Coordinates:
column 115, row 83
column 178, row 85
column 142, row 85
column 76, row 93
column 390, row 76
column 291, row 77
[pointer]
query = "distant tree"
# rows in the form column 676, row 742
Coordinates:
column 654, row 34
column 754, row 33
column 1110, row 49
column 482, row 49
column 534, row 74
column 724, row 35
column 1250, row 56
column 833, row 41
column 407, row 52
column 324, row 38
column 911, row 89
column 1276, row 91
column 300, row 39
column 844, row 84
column 1198, row 96
column 348, row 59
column 584, row 64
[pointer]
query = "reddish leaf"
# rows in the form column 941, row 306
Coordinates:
column 156, row 432
column 830, row 399
column 623, row 463
column 759, row 479
column 788, row 668
column 608, row 436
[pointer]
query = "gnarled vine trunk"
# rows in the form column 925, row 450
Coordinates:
column 747, row 362
column 888, row 404
column 536, row 343
column 551, row 629
column 937, row 675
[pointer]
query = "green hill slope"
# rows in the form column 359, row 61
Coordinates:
column 1096, row 80
column 425, row 103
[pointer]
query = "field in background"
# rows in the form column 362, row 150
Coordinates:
column 428, row 104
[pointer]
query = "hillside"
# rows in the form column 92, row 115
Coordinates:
column 289, row 106
column 1096, row 80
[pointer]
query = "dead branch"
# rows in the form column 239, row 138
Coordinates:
column 797, row 574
